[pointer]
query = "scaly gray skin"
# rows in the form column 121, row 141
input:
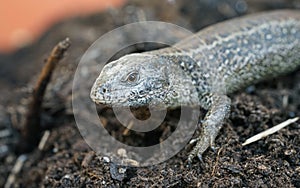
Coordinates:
column 203, row 68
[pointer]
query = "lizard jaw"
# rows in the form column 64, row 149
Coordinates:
column 106, row 100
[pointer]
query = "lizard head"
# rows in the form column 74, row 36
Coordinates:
column 134, row 80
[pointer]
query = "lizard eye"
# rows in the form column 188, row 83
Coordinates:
column 132, row 77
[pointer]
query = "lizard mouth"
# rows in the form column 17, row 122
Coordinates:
column 107, row 99
column 110, row 102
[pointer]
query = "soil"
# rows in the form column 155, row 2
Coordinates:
column 67, row 161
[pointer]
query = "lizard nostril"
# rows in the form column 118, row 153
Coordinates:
column 104, row 89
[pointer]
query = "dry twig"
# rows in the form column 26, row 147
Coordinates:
column 31, row 128
column 269, row 131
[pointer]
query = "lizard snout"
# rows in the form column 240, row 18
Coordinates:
column 99, row 93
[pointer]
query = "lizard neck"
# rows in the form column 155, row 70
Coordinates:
column 182, row 90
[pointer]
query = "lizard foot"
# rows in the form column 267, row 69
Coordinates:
column 203, row 142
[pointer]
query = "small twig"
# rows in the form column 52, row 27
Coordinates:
column 87, row 159
column 16, row 169
column 270, row 131
column 127, row 129
column 44, row 140
column 217, row 162
column 31, row 128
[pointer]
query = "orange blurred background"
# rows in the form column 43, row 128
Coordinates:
column 22, row 21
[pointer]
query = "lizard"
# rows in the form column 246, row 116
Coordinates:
column 204, row 68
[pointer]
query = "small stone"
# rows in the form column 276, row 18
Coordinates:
column 106, row 159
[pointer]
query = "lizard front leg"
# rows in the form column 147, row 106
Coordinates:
column 218, row 109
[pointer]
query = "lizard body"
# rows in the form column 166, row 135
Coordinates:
column 202, row 69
